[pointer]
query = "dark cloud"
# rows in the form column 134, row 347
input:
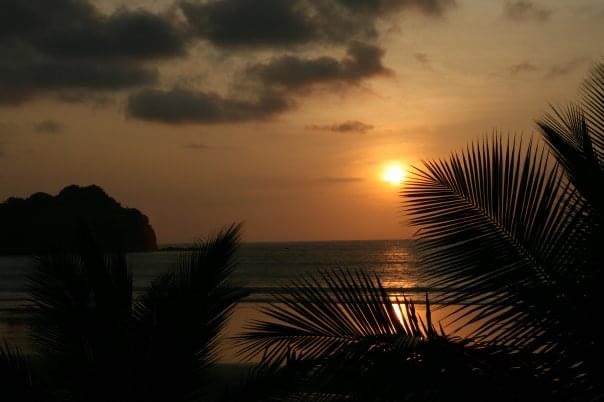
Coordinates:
column 82, row 95
column 196, row 146
column 251, row 23
column 68, row 46
column 429, row 7
column 423, row 59
column 185, row 106
column 48, row 126
column 525, row 10
column 524, row 67
column 293, row 22
column 70, row 50
column 566, row 68
column 292, row 72
column 352, row 126
column 128, row 35
column 74, row 28
column 25, row 73
column 277, row 83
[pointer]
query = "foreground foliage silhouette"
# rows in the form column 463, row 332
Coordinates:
column 340, row 336
column 516, row 232
column 512, row 235
column 94, row 342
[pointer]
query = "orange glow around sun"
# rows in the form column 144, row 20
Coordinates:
column 394, row 174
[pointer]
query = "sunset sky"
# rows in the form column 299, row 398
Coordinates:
column 282, row 113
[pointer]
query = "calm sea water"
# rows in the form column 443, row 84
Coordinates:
column 262, row 267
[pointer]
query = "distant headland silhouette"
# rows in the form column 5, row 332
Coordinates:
column 43, row 223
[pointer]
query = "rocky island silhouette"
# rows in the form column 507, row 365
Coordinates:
column 43, row 223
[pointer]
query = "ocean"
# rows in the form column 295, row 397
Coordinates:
column 263, row 268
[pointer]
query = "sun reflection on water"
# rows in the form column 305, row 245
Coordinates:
column 397, row 272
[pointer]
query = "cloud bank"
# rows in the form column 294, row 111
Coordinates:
column 277, row 84
column 351, row 126
column 68, row 44
column 525, row 10
column 71, row 51
column 48, row 126
column 178, row 106
column 278, row 23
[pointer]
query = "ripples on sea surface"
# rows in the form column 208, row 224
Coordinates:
column 261, row 267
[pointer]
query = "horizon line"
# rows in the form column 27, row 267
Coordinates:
column 160, row 245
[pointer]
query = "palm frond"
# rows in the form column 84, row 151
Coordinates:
column 340, row 326
column 179, row 319
column 77, row 300
column 593, row 105
column 569, row 136
column 80, row 321
column 320, row 316
column 576, row 138
column 17, row 382
column 351, row 341
column 498, row 232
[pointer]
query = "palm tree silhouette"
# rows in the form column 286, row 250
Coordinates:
column 94, row 342
column 512, row 234
column 515, row 233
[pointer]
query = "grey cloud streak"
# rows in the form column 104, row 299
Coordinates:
column 524, row 67
column 525, row 10
column 291, row 72
column 179, row 106
column 48, row 126
column 351, row 126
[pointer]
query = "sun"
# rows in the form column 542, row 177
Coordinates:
column 394, row 174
